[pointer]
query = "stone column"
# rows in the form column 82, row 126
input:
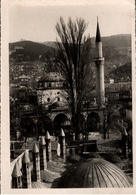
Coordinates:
column 74, row 137
column 36, row 163
column 81, row 136
column 62, row 144
column 48, row 147
column 16, row 177
column 26, row 171
column 43, row 161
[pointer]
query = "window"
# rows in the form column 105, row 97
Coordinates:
column 49, row 85
column 41, row 84
column 65, row 85
column 48, row 99
column 58, row 99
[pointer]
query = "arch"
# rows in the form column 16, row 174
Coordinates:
column 61, row 120
column 54, row 114
column 49, row 84
column 48, row 99
column 93, row 122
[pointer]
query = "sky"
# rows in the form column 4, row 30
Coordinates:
column 37, row 23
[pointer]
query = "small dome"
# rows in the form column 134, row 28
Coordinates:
column 51, row 76
column 58, row 104
column 22, row 87
column 93, row 173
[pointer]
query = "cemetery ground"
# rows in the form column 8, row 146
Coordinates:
column 107, row 149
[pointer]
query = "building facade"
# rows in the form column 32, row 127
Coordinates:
column 51, row 91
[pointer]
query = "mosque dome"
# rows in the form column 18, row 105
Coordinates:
column 52, row 76
column 93, row 173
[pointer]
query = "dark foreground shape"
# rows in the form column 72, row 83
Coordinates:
column 93, row 173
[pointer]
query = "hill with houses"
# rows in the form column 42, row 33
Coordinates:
column 116, row 51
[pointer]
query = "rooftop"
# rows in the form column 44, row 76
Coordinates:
column 52, row 76
column 93, row 173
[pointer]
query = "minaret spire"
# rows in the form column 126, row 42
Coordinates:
column 98, row 35
column 99, row 64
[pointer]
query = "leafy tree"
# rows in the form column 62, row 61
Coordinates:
column 73, row 56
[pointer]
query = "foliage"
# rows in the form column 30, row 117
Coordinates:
column 123, row 71
column 114, row 119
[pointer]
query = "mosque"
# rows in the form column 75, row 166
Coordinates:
column 51, row 89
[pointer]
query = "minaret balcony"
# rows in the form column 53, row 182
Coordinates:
column 99, row 59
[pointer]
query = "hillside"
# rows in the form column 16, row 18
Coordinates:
column 50, row 44
column 114, row 46
column 116, row 41
column 32, row 49
column 122, row 41
column 122, row 71
column 116, row 51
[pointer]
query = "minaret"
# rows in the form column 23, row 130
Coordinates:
column 99, row 64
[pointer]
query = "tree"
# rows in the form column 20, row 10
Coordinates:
column 113, row 114
column 73, row 57
column 27, row 125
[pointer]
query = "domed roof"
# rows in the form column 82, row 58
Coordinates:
column 58, row 104
column 52, row 76
column 93, row 173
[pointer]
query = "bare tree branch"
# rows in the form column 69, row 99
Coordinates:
column 73, row 56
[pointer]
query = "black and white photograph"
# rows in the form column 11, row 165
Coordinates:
column 69, row 122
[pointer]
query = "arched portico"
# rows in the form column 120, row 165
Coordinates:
column 52, row 115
